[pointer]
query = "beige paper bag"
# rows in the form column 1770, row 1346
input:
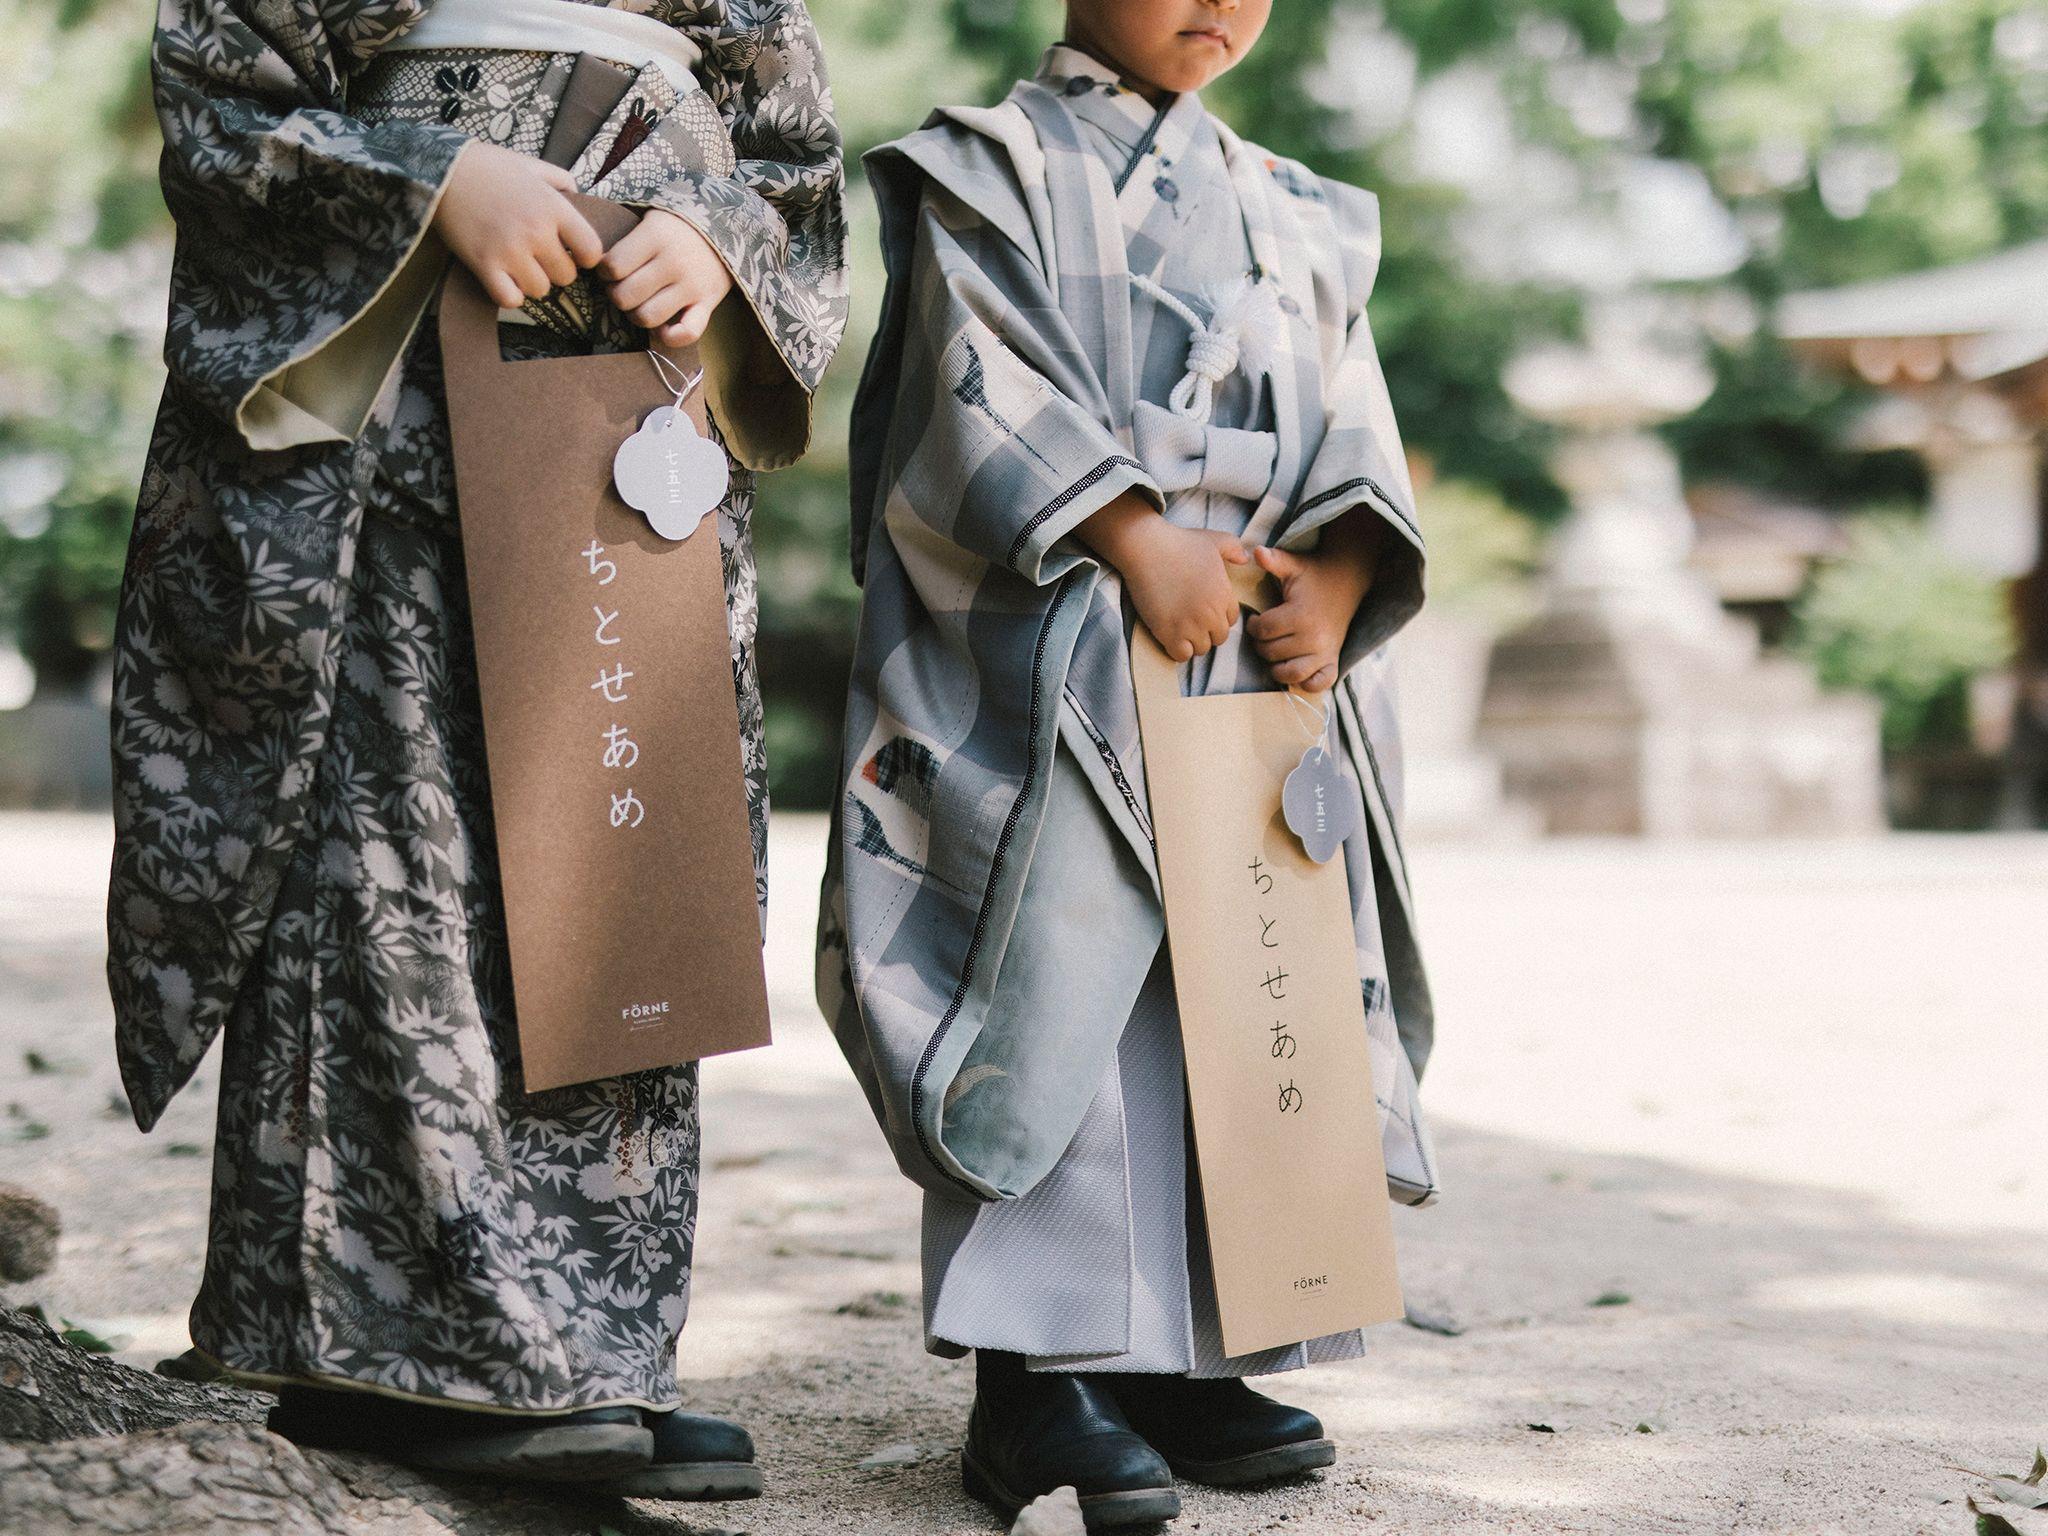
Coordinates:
column 1287, row 1132
column 610, row 720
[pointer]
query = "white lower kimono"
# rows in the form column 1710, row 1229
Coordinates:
column 1103, row 1265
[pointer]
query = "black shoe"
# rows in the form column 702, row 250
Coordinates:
column 696, row 1457
column 1034, row 1431
column 1220, row 1432
column 528, row 1447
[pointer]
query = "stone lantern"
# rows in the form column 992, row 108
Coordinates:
column 1632, row 703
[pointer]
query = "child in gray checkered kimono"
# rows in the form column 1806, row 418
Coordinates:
column 1122, row 351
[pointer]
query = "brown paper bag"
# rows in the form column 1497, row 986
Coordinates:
column 1287, row 1132
column 621, row 809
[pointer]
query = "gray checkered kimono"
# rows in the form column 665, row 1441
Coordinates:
column 1001, row 406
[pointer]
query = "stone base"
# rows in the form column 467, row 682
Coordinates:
column 1610, row 729
column 1450, row 790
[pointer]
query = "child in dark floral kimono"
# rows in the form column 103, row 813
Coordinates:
column 424, row 1259
column 1122, row 353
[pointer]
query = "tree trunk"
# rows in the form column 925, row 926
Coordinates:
column 89, row 1447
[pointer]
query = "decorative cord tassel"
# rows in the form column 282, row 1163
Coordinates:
column 1215, row 345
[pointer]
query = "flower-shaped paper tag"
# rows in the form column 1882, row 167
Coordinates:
column 1317, row 805
column 669, row 471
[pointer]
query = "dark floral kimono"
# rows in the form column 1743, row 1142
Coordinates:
column 305, row 860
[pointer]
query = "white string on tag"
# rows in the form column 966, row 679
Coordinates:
column 668, row 372
column 1321, row 714
column 668, row 470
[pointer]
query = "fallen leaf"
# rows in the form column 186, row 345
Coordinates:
column 1989, row 1524
column 1611, row 1299
column 2025, row 1492
column 1644, row 1429
column 2017, row 1490
column 1544, row 1429
column 184, row 1149
column 74, row 1334
column 93, row 1343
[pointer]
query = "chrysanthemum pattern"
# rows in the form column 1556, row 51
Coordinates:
column 305, row 860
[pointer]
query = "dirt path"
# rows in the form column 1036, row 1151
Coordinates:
column 1785, row 1100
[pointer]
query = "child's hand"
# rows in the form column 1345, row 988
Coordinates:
column 1301, row 636
column 666, row 278
column 1180, row 584
column 508, row 218
column 1178, row 578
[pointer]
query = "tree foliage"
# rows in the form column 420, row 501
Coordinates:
column 1839, row 139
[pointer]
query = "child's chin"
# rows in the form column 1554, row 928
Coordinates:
column 1185, row 76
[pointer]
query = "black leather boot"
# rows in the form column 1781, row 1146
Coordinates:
column 1220, row 1432
column 578, row 1447
column 1034, row 1431
column 696, row 1457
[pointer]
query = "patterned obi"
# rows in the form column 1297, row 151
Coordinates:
column 639, row 130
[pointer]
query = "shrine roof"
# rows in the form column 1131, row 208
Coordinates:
column 1993, row 294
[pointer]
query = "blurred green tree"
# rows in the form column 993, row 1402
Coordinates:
column 1898, row 618
column 84, row 255
column 1839, row 140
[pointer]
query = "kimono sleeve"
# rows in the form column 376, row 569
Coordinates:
column 999, row 439
column 778, row 220
column 1360, row 466
column 303, row 257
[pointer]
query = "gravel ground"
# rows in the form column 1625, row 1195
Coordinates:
column 1777, row 1106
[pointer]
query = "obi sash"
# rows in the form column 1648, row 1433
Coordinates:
column 558, row 26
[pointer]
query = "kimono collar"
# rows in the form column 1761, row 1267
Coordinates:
column 1079, row 76
column 1093, row 92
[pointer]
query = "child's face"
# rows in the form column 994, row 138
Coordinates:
column 1171, row 45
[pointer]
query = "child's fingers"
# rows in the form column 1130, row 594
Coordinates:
column 659, row 309
column 1285, row 648
column 1323, row 677
column 1275, row 622
column 578, row 238
column 1233, row 552
column 527, row 273
column 556, row 262
column 503, row 291
column 687, row 328
column 1277, row 562
column 642, row 284
column 633, row 251
column 1296, row 673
